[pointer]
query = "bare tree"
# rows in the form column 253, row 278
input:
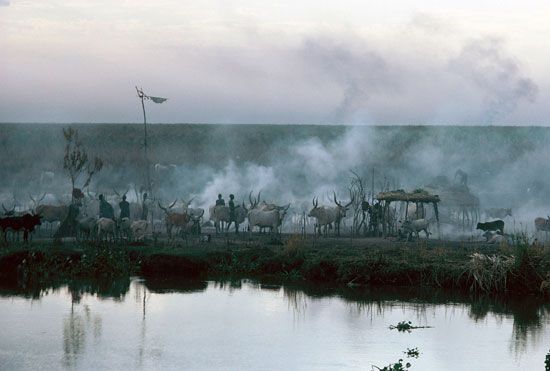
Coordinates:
column 358, row 194
column 76, row 162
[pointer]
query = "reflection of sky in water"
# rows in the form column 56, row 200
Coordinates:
column 234, row 326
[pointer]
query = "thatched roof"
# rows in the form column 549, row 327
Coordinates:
column 418, row 195
column 455, row 197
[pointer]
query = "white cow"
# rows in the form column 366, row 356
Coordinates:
column 106, row 227
column 327, row 216
column 416, row 226
column 140, row 229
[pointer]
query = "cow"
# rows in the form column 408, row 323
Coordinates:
column 86, row 226
column 327, row 216
column 173, row 219
column 412, row 227
column 195, row 214
column 220, row 214
column 106, row 227
column 493, row 237
column 265, row 215
column 495, row 225
column 124, row 226
column 499, row 213
column 542, row 224
column 139, row 229
column 26, row 223
column 52, row 213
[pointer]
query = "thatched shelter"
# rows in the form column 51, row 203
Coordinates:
column 460, row 202
column 419, row 197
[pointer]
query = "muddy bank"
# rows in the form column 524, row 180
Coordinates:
column 499, row 270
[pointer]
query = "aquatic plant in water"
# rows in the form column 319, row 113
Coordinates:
column 406, row 326
column 400, row 365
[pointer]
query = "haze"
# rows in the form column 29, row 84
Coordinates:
column 319, row 62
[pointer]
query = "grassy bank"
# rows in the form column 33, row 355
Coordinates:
column 500, row 270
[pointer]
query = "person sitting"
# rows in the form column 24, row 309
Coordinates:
column 124, row 208
column 105, row 209
column 220, row 201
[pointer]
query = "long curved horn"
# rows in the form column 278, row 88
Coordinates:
column 173, row 203
column 286, row 208
column 5, row 210
column 351, row 201
column 116, row 192
column 335, row 200
column 163, row 208
column 259, row 193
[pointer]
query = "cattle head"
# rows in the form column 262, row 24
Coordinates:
column 254, row 202
column 36, row 201
column 342, row 208
column 8, row 212
column 282, row 212
column 167, row 209
column 314, row 212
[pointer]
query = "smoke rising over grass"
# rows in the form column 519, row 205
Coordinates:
column 507, row 166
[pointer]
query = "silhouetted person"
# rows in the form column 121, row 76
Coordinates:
column 144, row 207
column 220, row 201
column 232, row 214
column 124, row 208
column 105, row 209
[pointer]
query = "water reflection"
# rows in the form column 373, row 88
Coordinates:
column 148, row 305
column 76, row 329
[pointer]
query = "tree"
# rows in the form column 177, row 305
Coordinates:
column 76, row 162
column 360, row 205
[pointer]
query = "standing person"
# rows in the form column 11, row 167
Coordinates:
column 220, row 201
column 232, row 213
column 105, row 209
column 124, row 208
column 144, row 207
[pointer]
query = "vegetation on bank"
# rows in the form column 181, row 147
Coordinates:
column 504, row 270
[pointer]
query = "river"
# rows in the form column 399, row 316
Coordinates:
column 137, row 324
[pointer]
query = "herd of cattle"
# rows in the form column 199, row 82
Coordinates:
column 180, row 219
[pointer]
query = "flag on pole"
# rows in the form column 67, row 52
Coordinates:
column 157, row 99
column 142, row 95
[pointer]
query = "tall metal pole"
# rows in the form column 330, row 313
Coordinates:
column 147, row 170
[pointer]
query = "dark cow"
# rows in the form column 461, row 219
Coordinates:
column 495, row 225
column 27, row 223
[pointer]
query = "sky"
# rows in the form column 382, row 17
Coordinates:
column 431, row 62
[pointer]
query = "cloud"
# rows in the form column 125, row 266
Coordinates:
column 486, row 64
column 482, row 84
column 411, row 75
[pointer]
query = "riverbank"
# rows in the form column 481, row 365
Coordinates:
column 471, row 267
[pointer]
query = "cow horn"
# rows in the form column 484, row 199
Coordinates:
column 336, row 201
column 287, row 207
column 173, row 203
column 163, row 208
column 116, row 192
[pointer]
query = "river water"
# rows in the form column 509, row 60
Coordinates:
column 136, row 324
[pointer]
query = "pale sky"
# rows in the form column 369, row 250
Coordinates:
column 287, row 62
